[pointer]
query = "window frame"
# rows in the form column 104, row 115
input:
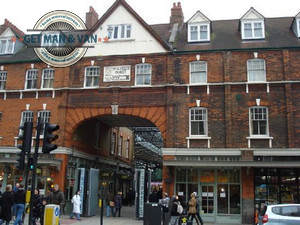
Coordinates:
column 3, row 79
column 50, row 79
column 198, row 31
column 205, row 122
column 8, row 42
column 119, row 31
column 120, row 145
column 253, row 22
column 27, row 80
column 251, row 126
column 91, row 76
column 113, row 143
column 127, row 148
column 143, row 74
column 200, row 71
column 26, row 116
column 44, row 119
column 252, row 70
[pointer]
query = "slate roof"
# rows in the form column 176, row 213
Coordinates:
column 225, row 36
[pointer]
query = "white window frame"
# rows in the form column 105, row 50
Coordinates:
column 26, row 116
column 142, row 71
column 261, row 70
column 113, row 143
column 45, row 118
column 199, row 72
column 119, row 32
column 298, row 27
column 9, row 46
column 252, row 23
column 251, row 126
column 93, row 76
column 31, row 80
column 204, row 120
column 127, row 148
column 120, row 145
column 3, row 79
column 48, row 78
column 51, row 43
column 198, row 31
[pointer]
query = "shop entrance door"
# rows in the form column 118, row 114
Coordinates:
column 207, row 197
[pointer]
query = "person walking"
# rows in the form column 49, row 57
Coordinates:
column 198, row 202
column 165, row 205
column 44, row 203
column 192, row 209
column 174, row 211
column 37, row 206
column 110, row 204
column 57, row 197
column 76, row 205
column 19, row 199
column 7, row 203
column 118, row 204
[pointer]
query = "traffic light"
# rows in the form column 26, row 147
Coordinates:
column 49, row 137
column 26, row 137
column 30, row 163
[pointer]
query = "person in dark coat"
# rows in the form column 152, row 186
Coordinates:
column 37, row 206
column 7, row 203
column 118, row 203
column 44, row 203
column 153, row 197
column 19, row 199
column 57, row 197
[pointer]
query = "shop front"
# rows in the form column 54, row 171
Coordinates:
column 276, row 186
column 218, row 189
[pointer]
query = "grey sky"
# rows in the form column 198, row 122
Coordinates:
column 24, row 14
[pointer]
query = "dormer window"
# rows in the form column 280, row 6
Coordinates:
column 6, row 46
column 296, row 25
column 253, row 30
column 252, row 25
column 199, row 28
column 120, row 31
column 199, row 32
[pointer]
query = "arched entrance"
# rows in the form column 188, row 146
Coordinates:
column 115, row 145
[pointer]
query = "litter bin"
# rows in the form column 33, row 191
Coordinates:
column 152, row 214
column 51, row 216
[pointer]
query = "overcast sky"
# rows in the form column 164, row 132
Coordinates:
column 24, row 14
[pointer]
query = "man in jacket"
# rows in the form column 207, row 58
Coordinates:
column 19, row 199
column 57, row 197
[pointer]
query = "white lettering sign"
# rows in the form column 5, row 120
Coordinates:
column 116, row 73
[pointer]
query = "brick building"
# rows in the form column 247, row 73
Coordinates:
column 224, row 95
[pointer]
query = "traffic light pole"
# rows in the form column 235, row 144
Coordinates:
column 35, row 159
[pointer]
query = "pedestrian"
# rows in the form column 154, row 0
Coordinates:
column 131, row 197
column 165, row 202
column 110, row 204
column 19, row 199
column 44, row 203
column 36, row 206
column 198, row 203
column 7, row 203
column 76, row 205
column 57, row 197
column 174, row 211
column 118, row 203
column 153, row 197
column 15, row 189
column 192, row 209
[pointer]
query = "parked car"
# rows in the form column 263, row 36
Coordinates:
column 282, row 214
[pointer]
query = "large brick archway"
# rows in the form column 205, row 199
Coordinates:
column 75, row 116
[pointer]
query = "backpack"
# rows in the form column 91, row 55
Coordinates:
column 179, row 208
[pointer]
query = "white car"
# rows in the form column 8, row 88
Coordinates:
column 283, row 214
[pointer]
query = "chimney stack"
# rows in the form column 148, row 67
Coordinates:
column 91, row 18
column 176, row 15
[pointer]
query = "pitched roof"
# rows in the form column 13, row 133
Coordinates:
column 135, row 15
column 15, row 29
column 226, row 36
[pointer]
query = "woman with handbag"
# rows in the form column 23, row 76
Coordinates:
column 192, row 209
column 110, row 204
